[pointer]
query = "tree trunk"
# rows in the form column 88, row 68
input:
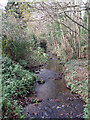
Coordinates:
column 89, row 35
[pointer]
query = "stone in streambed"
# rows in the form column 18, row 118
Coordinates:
column 60, row 77
column 36, row 72
column 41, row 81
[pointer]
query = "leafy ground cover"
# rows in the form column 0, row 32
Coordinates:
column 17, row 83
column 76, row 76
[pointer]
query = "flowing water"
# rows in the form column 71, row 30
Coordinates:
column 56, row 99
column 54, row 84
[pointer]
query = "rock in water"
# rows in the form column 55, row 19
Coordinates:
column 41, row 81
column 36, row 72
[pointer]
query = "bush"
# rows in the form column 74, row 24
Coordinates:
column 76, row 76
column 16, row 82
column 86, row 109
column 19, row 45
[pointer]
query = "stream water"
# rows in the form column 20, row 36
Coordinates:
column 56, row 99
column 54, row 84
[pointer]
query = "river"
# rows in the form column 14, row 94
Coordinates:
column 57, row 101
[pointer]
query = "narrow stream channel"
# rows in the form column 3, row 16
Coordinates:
column 54, row 84
column 56, row 100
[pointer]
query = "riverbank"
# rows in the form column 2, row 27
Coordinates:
column 17, row 83
column 76, row 77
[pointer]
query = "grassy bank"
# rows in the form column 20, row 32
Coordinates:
column 16, row 84
column 76, row 76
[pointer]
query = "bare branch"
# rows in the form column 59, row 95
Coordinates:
column 57, row 20
column 74, row 20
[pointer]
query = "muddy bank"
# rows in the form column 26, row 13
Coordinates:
column 55, row 100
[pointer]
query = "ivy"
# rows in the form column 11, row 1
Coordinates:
column 15, row 82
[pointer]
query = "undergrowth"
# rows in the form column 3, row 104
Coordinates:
column 16, row 83
column 76, row 76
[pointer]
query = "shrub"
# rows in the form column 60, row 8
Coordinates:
column 19, row 45
column 16, row 82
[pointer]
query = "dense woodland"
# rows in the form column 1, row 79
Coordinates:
column 31, row 30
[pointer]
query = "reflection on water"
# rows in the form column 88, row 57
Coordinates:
column 54, row 85
column 54, row 65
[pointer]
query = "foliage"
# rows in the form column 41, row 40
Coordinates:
column 22, row 46
column 86, row 109
column 14, row 39
column 23, row 63
column 85, row 16
column 76, row 76
column 20, row 49
column 38, row 57
column 18, row 44
column 84, row 51
column 16, row 82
